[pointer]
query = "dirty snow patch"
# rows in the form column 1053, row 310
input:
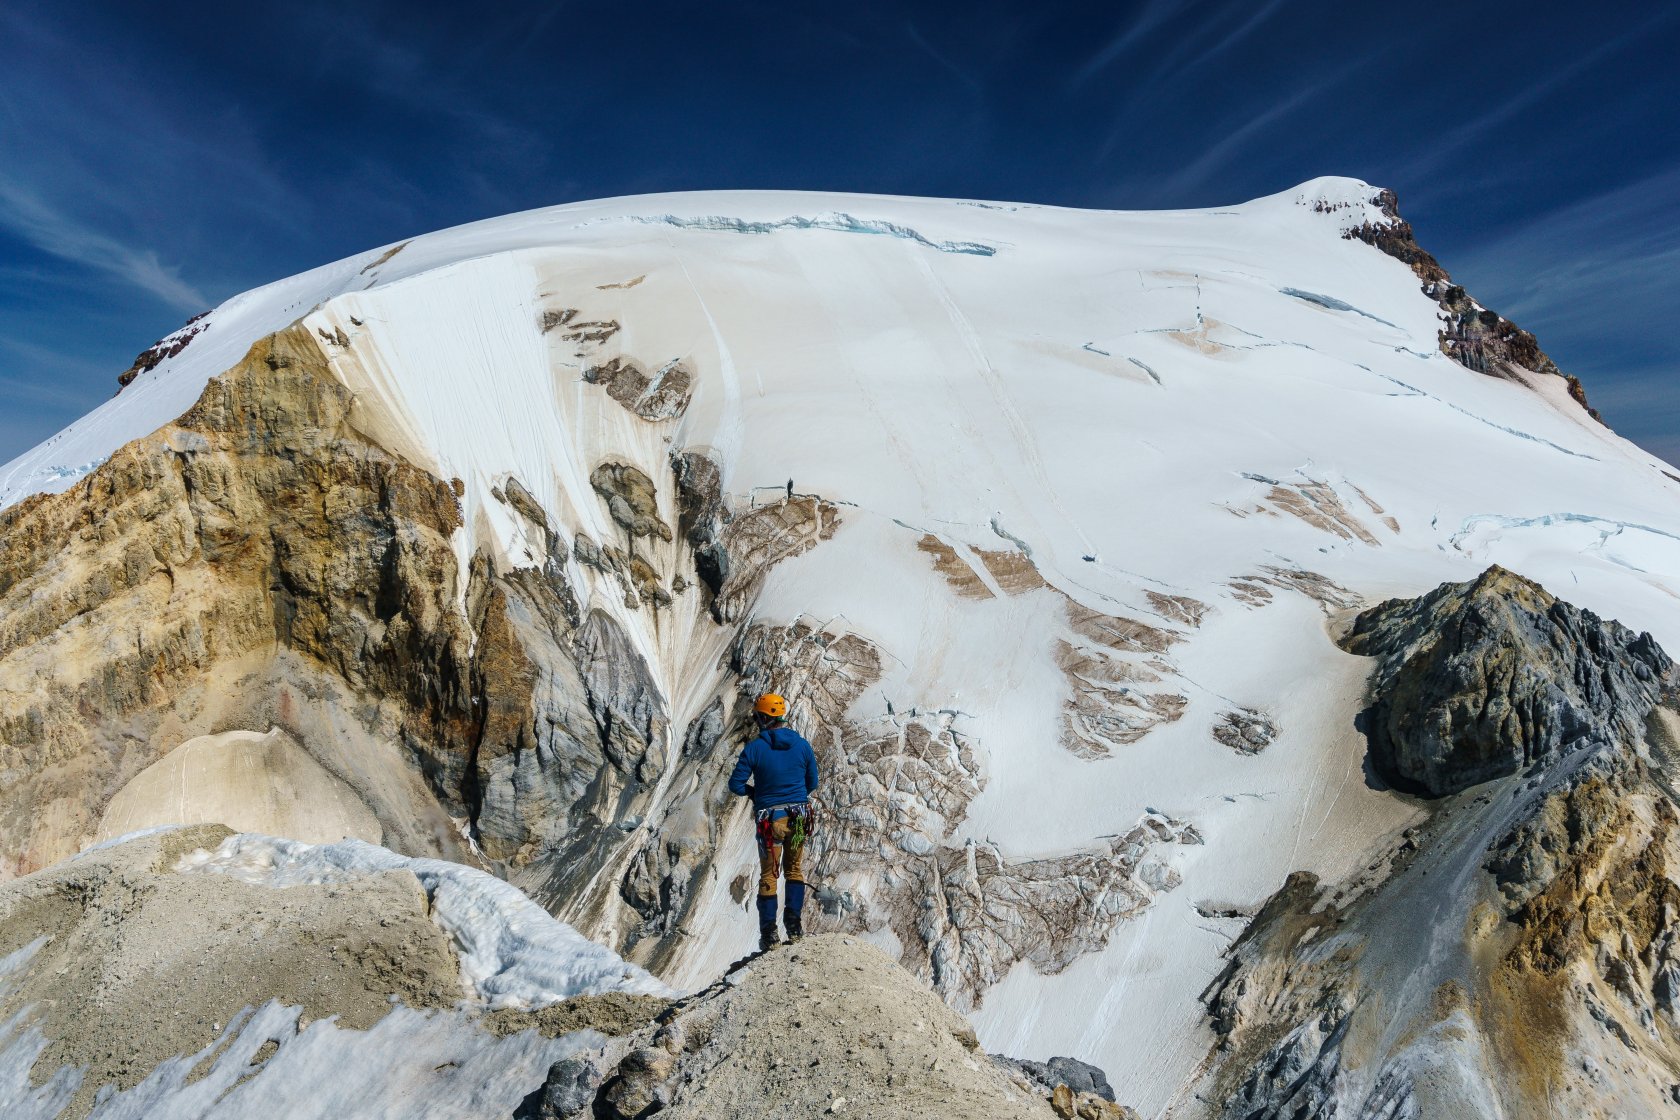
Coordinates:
column 513, row 953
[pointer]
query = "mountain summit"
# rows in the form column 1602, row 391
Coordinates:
column 1047, row 523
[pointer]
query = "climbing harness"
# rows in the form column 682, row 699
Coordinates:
column 799, row 823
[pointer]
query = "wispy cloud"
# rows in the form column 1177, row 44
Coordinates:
column 1197, row 173
column 446, row 83
column 61, row 391
column 968, row 80
column 1237, row 34
column 1222, row 154
column 98, row 168
column 53, row 232
column 1597, row 282
column 1547, row 82
column 1217, row 29
column 1180, row 60
column 1155, row 15
column 1617, row 250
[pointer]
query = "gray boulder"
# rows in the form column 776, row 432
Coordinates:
column 1479, row 680
column 1080, row 1077
column 570, row 1088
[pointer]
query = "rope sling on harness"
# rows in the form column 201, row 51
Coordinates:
column 799, row 823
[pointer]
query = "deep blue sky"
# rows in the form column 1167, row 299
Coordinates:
column 157, row 158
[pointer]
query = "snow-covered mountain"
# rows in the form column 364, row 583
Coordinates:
column 1047, row 521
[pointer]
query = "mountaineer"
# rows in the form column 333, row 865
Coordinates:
column 782, row 768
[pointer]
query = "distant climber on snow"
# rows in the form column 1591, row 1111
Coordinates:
column 782, row 769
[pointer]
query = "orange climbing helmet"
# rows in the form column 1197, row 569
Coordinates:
column 771, row 705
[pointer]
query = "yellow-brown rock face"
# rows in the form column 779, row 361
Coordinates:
column 258, row 563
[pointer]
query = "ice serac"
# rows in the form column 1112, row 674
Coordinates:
column 1042, row 519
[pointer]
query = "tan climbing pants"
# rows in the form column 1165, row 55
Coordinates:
column 778, row 857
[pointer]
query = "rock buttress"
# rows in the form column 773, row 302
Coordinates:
column 1472, row 335
column 257, row 563
column 1482, row 679
column 1515, row 948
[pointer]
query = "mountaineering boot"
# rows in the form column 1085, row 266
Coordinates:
column 793, row 914
column 767, row 922
column 767, row 938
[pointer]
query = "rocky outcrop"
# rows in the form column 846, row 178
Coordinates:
column 1544, row 898
column 265, row 563
column 1121, row 685
column 1485, row 340
column 1256, row 590
column 959, row 574
column 256, row 564
column 1319, row 505
column 757, row 539
column 632, row 499
column 552, row 757
column 1473, row 336
column 1586, row 955
column 1551, row 909
column 700, row 516
column 1397, row 238
column 565, row 323
column 262, row 563
column 637, row 580
column 663, row 395
column 168, row 346
column 1081, row 1077
column 1245, row 730
column 1070, row 1105
column 1281, row 1013
column 1482, row 679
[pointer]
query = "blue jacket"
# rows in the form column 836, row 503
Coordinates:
column 781, row 765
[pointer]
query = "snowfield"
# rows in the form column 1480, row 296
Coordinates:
column 1236, row 407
